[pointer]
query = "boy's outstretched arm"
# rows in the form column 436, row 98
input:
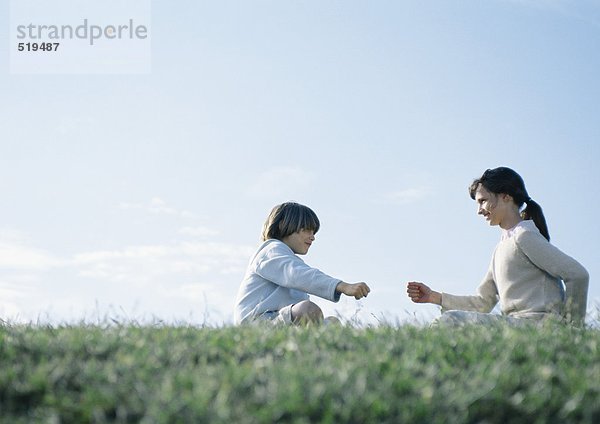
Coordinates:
column 358, row 290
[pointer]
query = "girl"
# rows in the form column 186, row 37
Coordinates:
column 277, row 282
column 526, row 270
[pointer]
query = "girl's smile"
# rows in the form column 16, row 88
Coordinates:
column 497, row 209
column 486, row 204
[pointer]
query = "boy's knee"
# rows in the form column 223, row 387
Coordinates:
column 331, row 320
column 306, row 311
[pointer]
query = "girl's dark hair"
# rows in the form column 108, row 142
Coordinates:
column 504, row 180
column 288, row 218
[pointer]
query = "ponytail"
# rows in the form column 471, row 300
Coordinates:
column 534, row 212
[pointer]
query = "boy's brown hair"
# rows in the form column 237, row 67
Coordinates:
column 289, row 218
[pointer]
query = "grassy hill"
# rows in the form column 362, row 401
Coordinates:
column 131, row 373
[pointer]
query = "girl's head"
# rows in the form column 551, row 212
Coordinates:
column 505, row 181
column 287, row 219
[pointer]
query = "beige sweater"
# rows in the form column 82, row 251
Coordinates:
column 525, row 276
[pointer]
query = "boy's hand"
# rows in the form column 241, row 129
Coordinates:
column 358, row 290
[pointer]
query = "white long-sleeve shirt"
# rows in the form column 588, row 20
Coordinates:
column 525, row 276
column 276, row 278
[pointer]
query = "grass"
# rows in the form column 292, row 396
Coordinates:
column 257, row 374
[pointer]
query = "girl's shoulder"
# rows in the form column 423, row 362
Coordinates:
column 527, row 237
column 526, row 229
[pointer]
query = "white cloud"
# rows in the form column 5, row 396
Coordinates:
column 10, row 296
column 160, row 207
column 9, row 310
column 180, row 276
column 10, row 291
column 151, row 263
column 156, row 206
column 213, row 300
column 12, row 235
column 14, row 255
column 199, row 292
column 281, row 181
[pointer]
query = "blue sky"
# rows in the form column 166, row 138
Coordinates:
column 143, row 195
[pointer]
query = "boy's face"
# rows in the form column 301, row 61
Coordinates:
column 300, row 241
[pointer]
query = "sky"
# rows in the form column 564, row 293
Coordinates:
column 141, row 196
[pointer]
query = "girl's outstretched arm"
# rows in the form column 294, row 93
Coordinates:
column 421, row 293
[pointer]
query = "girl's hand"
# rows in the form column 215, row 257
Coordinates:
column 420, row 293
column 358, row 290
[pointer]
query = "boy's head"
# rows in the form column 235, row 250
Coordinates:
column 289, row 218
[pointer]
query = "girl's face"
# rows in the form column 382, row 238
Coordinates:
column 300, row 241
column 493, row 207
